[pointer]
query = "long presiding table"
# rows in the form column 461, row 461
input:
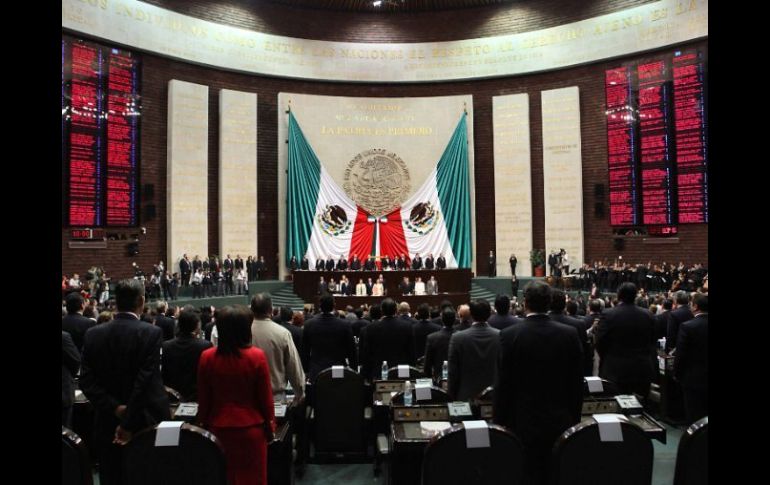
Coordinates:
column 453, row 284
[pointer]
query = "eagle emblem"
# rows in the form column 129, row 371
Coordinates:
column 333, row 220
column 423, row 218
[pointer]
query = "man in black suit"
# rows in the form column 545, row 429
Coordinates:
column 422, row 328
column 181, row 355
column 512, row 261
column 370, row 264
column 355, row 265
column 185, row 268
column 238, row 262
column 284, row 319
column 369, row 286
column 558, row 304
column 342, row 263
column 161, row 320
column 304, row 264
column 691, row 360
column 492, row 261
column 441, row 262
column 406, row 287
column 661, row 319
column 75, row 323
column 330, row 263
column 259, row 267
column 319, row 264
column 503, row 318
column 122, row 379
column 430, row 262
column 680, row 314
column 70, row 363
column 625, row 343
column 539, row 388
column 400, row 262
column 473, row 355
column 389, row 339
column 323, row 287
column 228, row 263
column 437, row 345
column 417, row 261
column 327, row 340
column 196, row 265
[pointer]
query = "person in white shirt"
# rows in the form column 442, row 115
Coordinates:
column 378, row 289
column 197, row 279
column 333, row 286
column 419, row 287
column 361, row 288
column 240, row 279
column 75, row 281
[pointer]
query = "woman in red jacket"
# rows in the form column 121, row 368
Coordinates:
column 235, row 398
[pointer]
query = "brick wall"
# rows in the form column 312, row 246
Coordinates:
column 157, row 71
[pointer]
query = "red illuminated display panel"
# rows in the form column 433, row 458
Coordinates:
column 689, row 122
column 121, row 139
column 621, row 147
column 655, row 150
column 100, row 134
column 85, row 164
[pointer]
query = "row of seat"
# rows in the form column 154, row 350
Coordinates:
column 579, row 457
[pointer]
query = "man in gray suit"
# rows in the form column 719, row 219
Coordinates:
column 473, row 355
column 432, row 286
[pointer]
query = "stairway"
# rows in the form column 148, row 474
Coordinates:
column 480, row 293
column 285, row 296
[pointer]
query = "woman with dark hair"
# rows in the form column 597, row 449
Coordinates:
column 235, row 398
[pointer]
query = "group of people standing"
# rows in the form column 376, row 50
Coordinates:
column 372, row 263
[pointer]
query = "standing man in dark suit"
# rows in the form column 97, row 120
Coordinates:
column 259, row 267
column 370, row 264
column 342, row 263
column 330, row 263
column 389, row 339
column 691, row 360
column 185, row 268
column 512, row 261
column 417, row 261
column 238, row 262
column 304, row 265
column 539, row 388
column 319, row 264
column 503, row 318
column 167, row 324
column 70, row 363
column 181, row 355
column 323, row 287
column 355, row 265
column 492, row 264
column 680, row 314
column 441, row 262
column 437, row 345
column 558, row 304
column 429, row 262
column 473, row 355
column 625, row 343
column 122, row 379
column 422, row 327
column 661, row 319
column 75, row 323
column 369, row 285
column 327, row 340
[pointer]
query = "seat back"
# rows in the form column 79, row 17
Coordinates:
column 437, row 396
column 692, row 457
column 449, row 461
column 75, row 464
column 581, row 458
column 198, row 459
column 338, row 407
column 414, row 373
column 610, row 389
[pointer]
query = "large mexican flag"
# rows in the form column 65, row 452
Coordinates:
column 323, row 221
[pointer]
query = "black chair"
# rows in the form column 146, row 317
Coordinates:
column 414, row 373
column 610, row 389
column 437, row 396
column 449, row 461
column 199, row 459
column 581, row 458
column 75, row 464
column 338, row 424
column 692, row 457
